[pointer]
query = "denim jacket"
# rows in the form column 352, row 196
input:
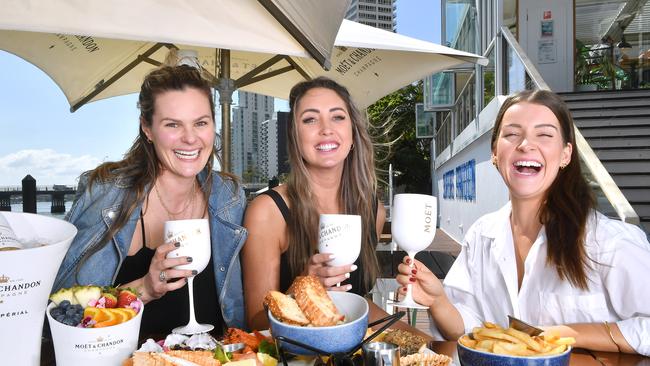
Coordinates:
column 93, row 213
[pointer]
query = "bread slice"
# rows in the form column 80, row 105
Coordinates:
column 408, row 342
column 172, row 358
column 203, row 358
column 315, row 303
column 285, row 309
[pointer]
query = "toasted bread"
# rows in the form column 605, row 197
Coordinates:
column 285, row 309
column 425, row 359
column 408, row 342
column 171, row 358
column 315, row 303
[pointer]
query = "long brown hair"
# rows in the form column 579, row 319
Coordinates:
column 569, row 200
column 357, row 191
column 140, row 167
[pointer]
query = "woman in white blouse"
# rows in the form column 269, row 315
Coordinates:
column 547, row 257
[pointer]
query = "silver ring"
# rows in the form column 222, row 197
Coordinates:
column 162, row 276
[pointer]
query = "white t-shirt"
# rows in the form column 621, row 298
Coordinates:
column 482, row 283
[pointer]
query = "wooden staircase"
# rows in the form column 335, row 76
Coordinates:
column 617, row 126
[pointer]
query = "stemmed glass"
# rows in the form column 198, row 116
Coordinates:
column 413, row 227
column 194, row 239
column 340, row 235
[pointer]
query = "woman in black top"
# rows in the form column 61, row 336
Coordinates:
column 332, row 172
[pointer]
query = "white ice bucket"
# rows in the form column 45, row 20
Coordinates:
column 106, row 346
column 26, row 278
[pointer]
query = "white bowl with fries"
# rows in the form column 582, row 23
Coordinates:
column 494, row 345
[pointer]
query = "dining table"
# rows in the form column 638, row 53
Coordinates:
column 579, row 357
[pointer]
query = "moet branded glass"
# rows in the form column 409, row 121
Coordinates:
column 194, row 239
column 340, row 235
column 413, row 227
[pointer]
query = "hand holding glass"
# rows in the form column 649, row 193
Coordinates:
column 194, row 239
column 413, row 227
column 340, row 235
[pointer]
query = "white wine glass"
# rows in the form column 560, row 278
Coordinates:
column 194, row 239
column 340, row 235
column 413, row 227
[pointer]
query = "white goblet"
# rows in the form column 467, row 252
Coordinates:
column 340, row 235
column 194, row 239
column 413, row 227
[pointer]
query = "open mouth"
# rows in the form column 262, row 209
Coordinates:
column 527, row 167
column 187, row 155
column 327, row 147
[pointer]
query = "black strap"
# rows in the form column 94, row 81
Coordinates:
column 279, row 201
column 144, row 240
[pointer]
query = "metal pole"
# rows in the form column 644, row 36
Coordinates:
column 499, row 69
column 225, row 86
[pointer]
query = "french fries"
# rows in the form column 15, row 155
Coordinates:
column 495, row 339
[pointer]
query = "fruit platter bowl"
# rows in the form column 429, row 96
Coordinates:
column 94, row 326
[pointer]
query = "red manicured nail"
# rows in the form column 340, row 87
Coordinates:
column 414, row 271
column 412, row 279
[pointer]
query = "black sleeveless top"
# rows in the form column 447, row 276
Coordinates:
column 173, row 309
column 356, row 280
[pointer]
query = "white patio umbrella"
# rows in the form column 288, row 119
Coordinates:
column 95, row 49
column 369, row 61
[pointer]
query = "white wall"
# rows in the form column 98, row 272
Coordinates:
column 557, row 73
column 456, row 215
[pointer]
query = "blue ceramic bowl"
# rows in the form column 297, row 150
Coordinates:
column 334, row 339
column 472, row 357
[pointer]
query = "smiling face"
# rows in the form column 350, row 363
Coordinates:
column 530, row 149
column 324, row 129
column 182, row 131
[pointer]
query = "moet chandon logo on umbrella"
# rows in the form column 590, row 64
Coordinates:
column 330, row 232
column 428, row 218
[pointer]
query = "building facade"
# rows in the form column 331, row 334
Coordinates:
column 251, row 111
column 375, row 13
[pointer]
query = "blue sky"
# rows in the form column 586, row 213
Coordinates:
column 39, row 136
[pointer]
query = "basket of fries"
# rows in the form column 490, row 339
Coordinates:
column 494, row 345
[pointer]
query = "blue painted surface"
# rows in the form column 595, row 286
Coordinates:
column 339, row 338
column 471, row 357
column 460, row 183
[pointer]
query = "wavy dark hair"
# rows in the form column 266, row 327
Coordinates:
column 141, row 166
column 569, row 200
column 357, row 192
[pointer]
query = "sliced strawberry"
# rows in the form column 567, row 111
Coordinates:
column 110, row 301
column 126, row 297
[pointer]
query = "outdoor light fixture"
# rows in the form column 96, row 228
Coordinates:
column 188, row 57
column 623, row 44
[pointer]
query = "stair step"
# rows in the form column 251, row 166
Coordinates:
column 637, row 195
column 608, row 103
column 612, row 121
column 610, row 112
column 636, row 167
column 620, row 142
column 617, row 155
column 617, row 131
column 609, row 94
column 631, row 180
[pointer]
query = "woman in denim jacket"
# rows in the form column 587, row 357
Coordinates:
column 121, row 208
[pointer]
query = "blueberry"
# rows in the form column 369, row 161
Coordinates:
column 60, row 318
column 70, row 311
column 64, row 304
column 56, row 312
column 70, row 321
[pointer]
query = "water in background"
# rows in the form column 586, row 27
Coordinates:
column 43, row 208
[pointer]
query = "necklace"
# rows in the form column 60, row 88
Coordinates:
column 173, row 215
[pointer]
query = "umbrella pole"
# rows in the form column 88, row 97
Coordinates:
column 225, row 86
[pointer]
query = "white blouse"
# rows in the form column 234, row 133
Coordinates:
column 482, row 283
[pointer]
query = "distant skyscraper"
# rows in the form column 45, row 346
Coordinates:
column 375, row 13
column 252, row 110
column 268, row 152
